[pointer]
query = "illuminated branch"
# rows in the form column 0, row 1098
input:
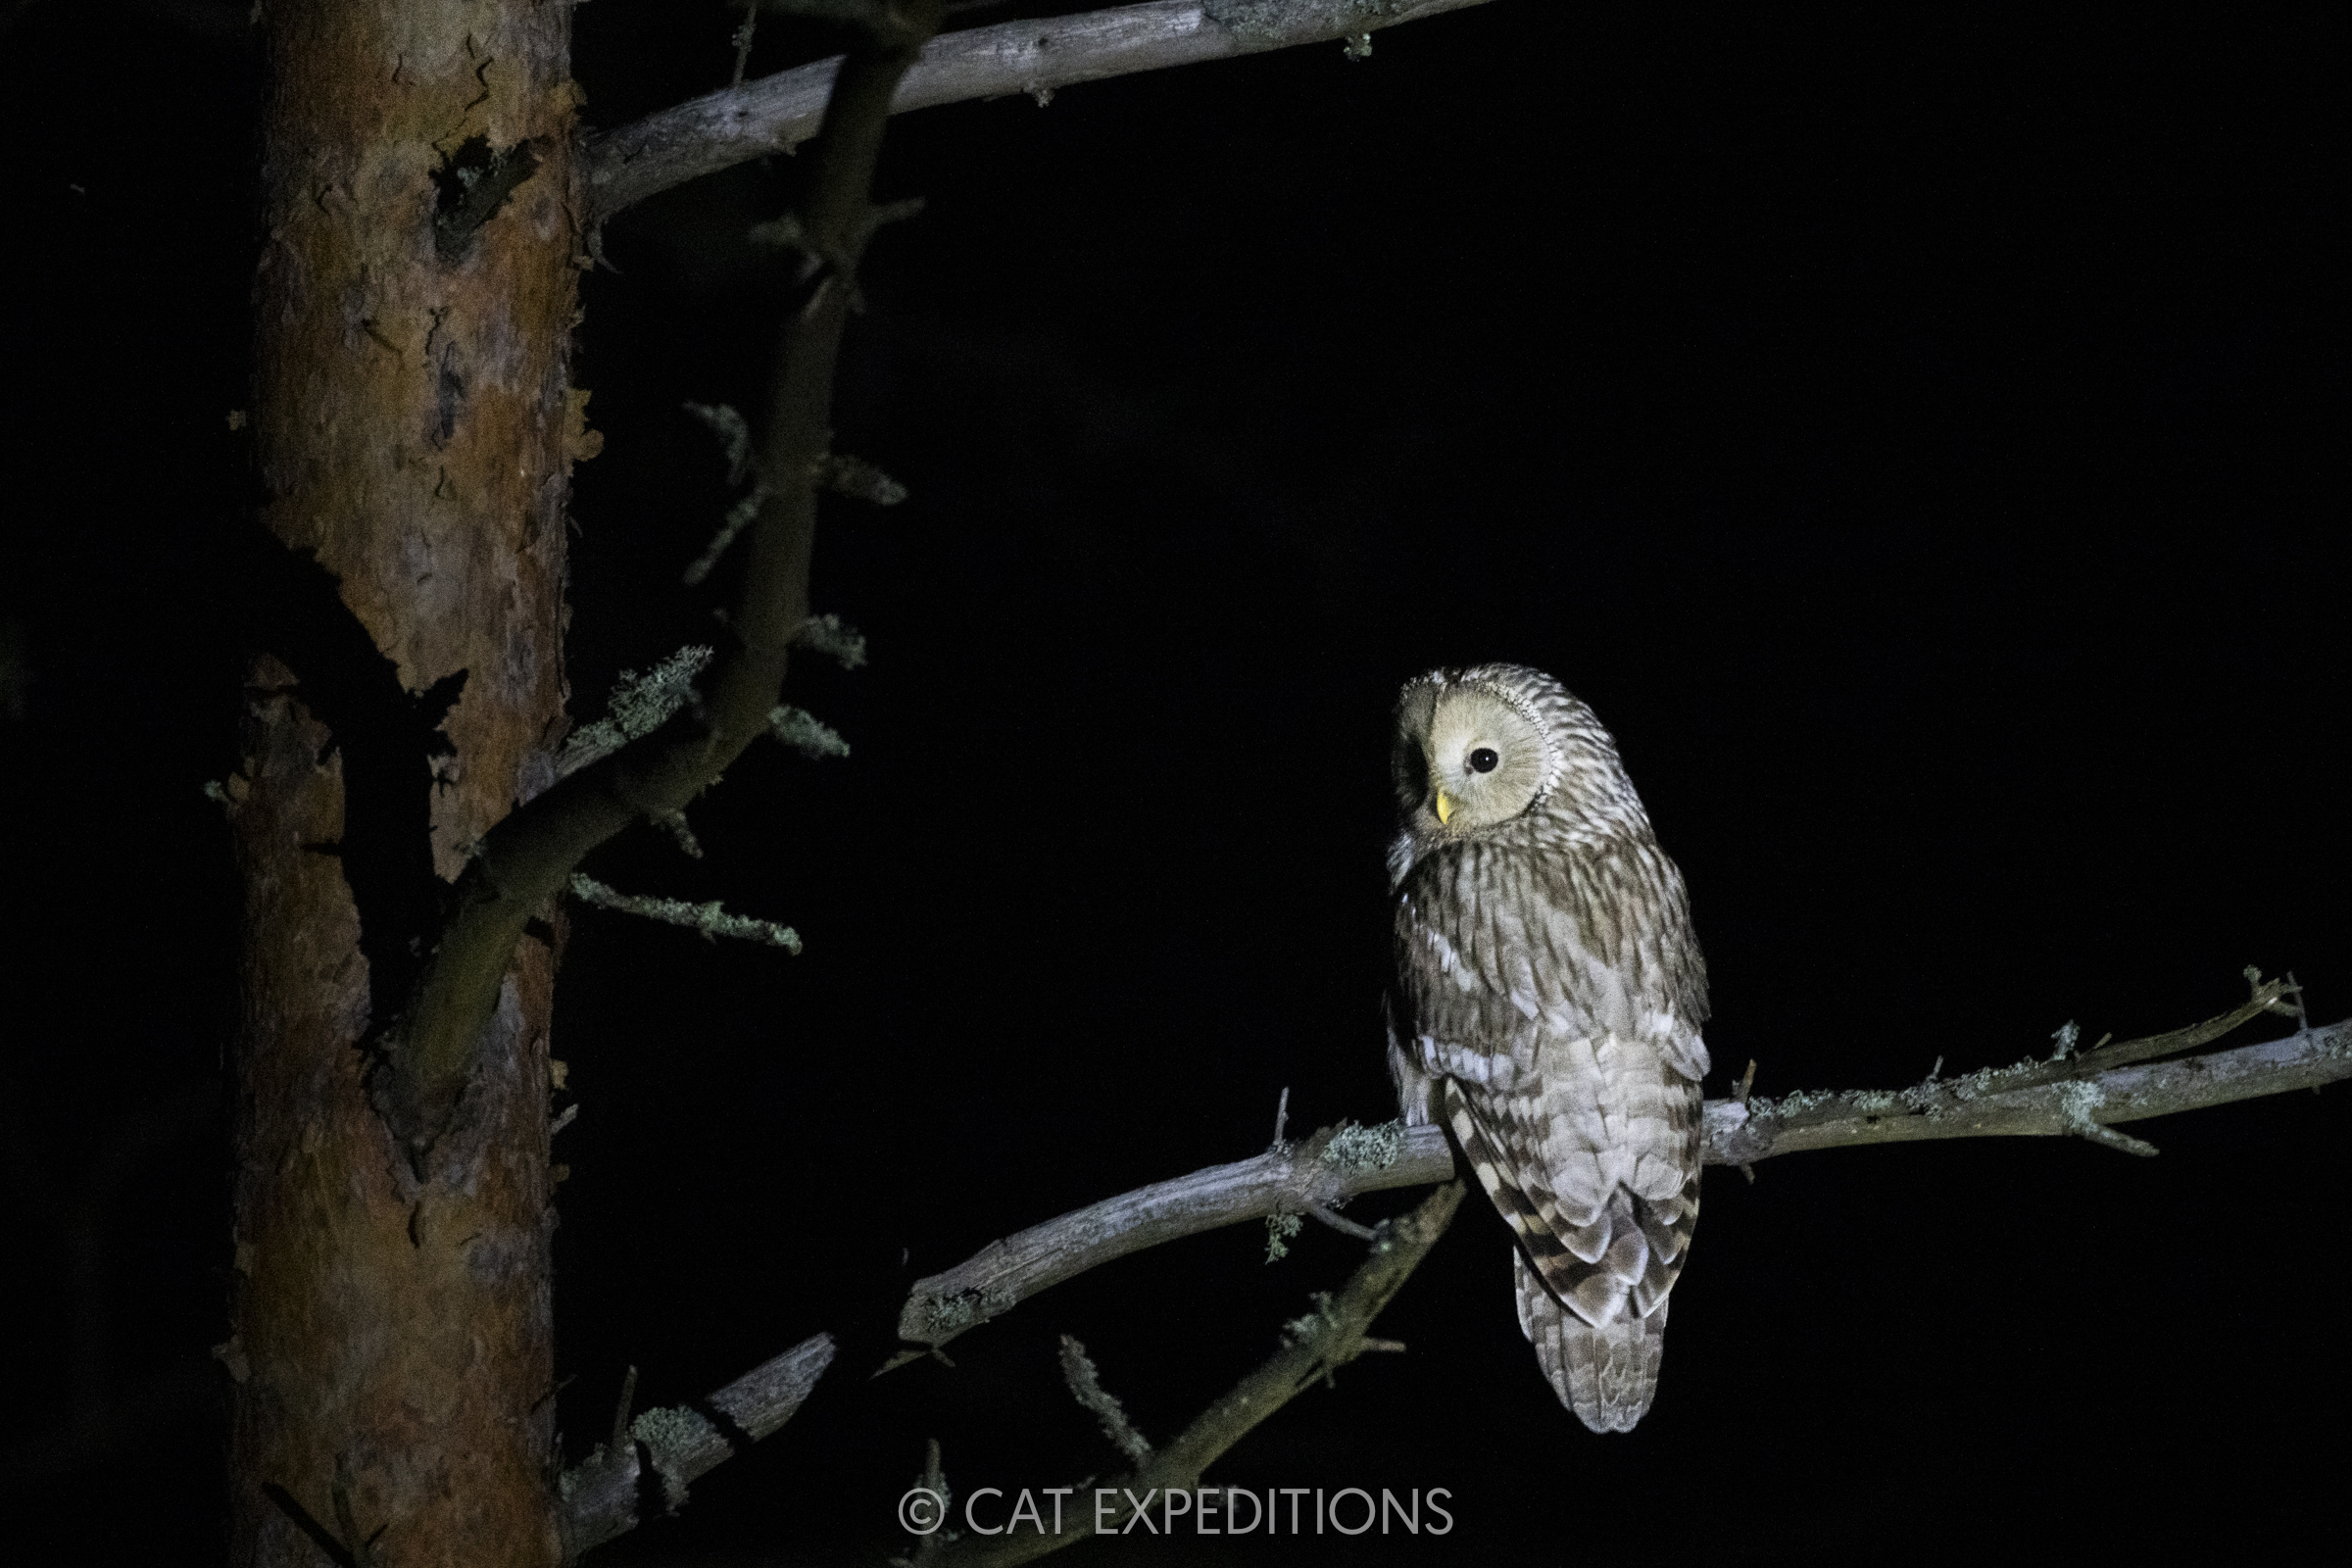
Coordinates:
column 2077, row 1095
column 598, row 1499
column 777, row 113
column 2072, row 1095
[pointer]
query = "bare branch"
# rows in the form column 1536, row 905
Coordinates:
column 1314, row 1348
column 743, row 34
column 682, row 1442
column 777, row 113
column 425, row 1059
column 2077, row 1095
column 1978, row 1106
column 710, row 920
column 2080, row 1099
column 1086, row 1387
column 1280, row 1181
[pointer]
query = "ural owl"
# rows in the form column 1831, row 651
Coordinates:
column 1548, row 1007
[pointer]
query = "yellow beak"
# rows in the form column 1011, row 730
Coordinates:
column 1444, row 807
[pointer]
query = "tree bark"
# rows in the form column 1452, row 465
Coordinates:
column 391, row 1354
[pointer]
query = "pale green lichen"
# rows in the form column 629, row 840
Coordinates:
column 1274, row 24
column 1299, row 1330
column 804, row 732
column 1795, row 1102
column 712, row 919
column 1972, row 1085
column 1086, row 1387
column 833, row 637
column 1363, row 1149
column 2066, row 1034
column 2077, row 1100
column 639, row 705
column 571, row 1481
column 1280, row 1228
column 943, row 1315
column 859, row 480
column 739, row 517
column 732, row 432
column 671, row 1435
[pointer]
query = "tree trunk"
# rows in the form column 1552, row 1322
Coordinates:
column 392, row 1346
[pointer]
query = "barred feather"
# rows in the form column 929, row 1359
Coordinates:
column 1549, row 999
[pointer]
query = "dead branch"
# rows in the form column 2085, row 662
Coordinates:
column 598, row 1499
column 2072, row 1096
column 1331, row 1166
column 1314, row 1348
column 2066, row 1096
column 2078, row 1096
column 777, row 113
column 529, row 859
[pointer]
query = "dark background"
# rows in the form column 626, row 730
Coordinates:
column 1920, row 437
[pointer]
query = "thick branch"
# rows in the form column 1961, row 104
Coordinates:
column 775, row 114
column 2044, row 1100
column 1314, row 1346
column 528, row 858
column 600, row 1498
column 1334, row 1165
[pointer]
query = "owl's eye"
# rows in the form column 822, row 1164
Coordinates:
column 1484, row 760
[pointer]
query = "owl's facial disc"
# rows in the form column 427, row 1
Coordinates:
column 1486, row 760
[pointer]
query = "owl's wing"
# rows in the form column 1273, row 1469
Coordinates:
column 1554, row 1004
column 1588, row 1268
column 1490, row 940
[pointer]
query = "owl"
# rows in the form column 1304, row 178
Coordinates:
column 1546, row 1008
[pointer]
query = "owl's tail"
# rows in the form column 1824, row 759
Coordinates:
column 1606, row 1375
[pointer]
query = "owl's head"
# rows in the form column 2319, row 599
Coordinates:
column 1478, row 748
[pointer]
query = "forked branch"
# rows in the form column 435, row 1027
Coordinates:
column 1314, row 1346
column 530, row 856
column 2074, row 1095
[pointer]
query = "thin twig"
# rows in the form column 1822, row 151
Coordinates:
column 1314, row 1348
column 1346, row 1227
column 1086, row 1387
column 426, row 1057
column 777, row 113
column 622, row 1409
column 712, row 919
column 742, row 39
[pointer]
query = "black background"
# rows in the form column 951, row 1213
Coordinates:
column 1918, row 435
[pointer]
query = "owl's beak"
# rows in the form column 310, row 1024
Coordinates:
column 1444, row 807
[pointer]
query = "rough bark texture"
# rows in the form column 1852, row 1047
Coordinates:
column 392, row 1345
